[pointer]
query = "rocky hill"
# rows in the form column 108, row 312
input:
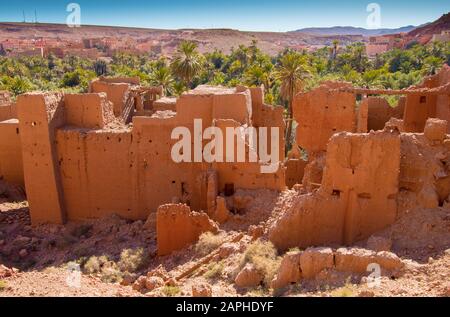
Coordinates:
column 436, row 27
column 349, row 30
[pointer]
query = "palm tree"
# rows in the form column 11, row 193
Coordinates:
column 432, row 65
column 100, row 67
column 256, row 75
column 359, row 57
column 162, row 77
column 187, row 63
column 292, row 72
column 335, row 48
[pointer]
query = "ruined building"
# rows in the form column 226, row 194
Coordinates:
column 357, row 162
column 368, row 162
column 79, row 159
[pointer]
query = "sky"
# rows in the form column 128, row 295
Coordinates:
column 245, row 15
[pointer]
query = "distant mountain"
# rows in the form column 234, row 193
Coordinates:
column 349, row 30
column 436, row 27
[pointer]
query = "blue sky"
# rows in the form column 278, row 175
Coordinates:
column 252, row 15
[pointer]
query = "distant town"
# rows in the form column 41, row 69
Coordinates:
column 31, row 39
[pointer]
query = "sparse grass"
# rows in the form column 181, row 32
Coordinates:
column 345, row 291
column 208, row 242
column 259, row 292
column 296, row 249
column 107, row 270
column 170, row 291
column 94, row 264
column 3, row 285
column 263, row 255
column 110, row 273
column 214, row 270
column 132, row 260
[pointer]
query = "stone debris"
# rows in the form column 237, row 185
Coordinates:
column 201, row 290
column 248, row 277
column 325, row 264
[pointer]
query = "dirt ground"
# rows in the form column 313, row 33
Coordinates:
column 52, row 260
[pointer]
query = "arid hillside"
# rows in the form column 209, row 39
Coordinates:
column 207, row 39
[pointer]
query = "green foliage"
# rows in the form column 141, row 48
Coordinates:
column 100, row 67
column 246, row 65
column 78, row 78
column 163, row 77
column 188, row 62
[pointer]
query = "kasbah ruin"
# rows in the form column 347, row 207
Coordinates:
column 368, row 203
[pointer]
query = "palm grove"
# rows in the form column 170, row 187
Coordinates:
column 283, row 75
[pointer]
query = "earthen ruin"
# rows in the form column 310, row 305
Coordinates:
column 357, row 164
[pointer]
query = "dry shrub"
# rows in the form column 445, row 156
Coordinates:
column 214, row 271
column 102, row 266
column 208, row 242
column 345, row 291
column 132, row 260
column 170, row 291
column 3, row 285
column 94, row 264
column 263, row 255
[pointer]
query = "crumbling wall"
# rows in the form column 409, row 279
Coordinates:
column 420, row 107
column 7, row 107
column 88, row 110
column 117, row 93
column 268, row 116
column 96, row 173
column 8, row 111
column 177, row 227
column 363, row 170
column 236, row 106
column 157, row 178
column 246, row 174
column 78, row 166
column 312, row 175
column 166, row 103
column 321, row 113
column 425, row 173
column 208, row 103
column 380, row 111
column 357, row 196
column 39, row 115
column 362, row 116
column 295, row 169
column 11, row 166
column 443, row 101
